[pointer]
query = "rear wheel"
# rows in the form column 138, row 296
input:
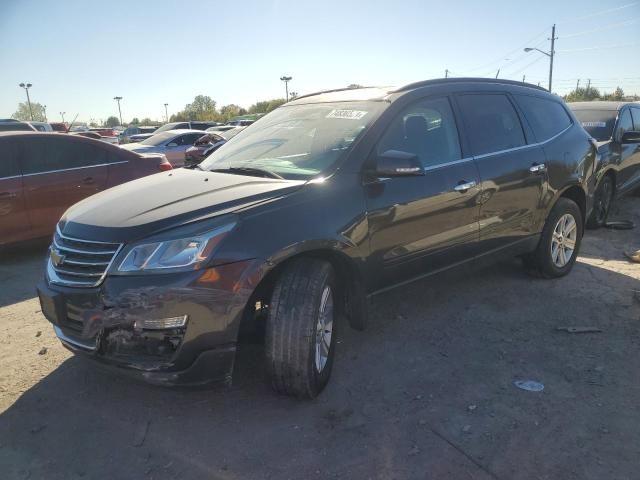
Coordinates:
column 560, row 241
column 603, row 199
column 301, row 329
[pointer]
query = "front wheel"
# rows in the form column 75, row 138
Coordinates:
column 603, row 199
column 301, row 330
column 560, row 241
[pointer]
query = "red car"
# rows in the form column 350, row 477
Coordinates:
column 43, row 174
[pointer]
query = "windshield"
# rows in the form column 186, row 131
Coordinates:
column 299, row 141
column 171, row 126
column 598, row 123
column 158, row 139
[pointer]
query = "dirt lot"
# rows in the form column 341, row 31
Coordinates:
column 426, row 392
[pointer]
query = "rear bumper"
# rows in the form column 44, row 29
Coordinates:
column 109, row 323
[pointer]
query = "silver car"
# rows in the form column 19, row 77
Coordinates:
column 172, row 144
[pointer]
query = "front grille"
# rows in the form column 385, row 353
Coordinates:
column 79, row 263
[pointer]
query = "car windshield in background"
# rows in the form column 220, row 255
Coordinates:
column 297, row 141
column 170, row 126
column 599, row 123
column 158, row 139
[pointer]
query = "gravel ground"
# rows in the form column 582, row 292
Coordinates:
column 427, row 392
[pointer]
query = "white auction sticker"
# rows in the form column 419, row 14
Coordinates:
column 347, row 114
column 594, row 124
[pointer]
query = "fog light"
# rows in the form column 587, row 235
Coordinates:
column 161, row 323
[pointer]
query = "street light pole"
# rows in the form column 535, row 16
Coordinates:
column 166, row 111
column 286, row 80
column 26, row 87
column 548, row 54
column 62, row 115
column 44, row 107
column 117, row 99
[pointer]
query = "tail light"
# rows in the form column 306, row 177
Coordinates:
column 164, row 166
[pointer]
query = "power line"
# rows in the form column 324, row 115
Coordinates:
column 601, row 12
column 604, row 27
column 601, row 47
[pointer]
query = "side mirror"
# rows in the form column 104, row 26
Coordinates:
column 395, row 163
column 172, row 144
column 632, row 136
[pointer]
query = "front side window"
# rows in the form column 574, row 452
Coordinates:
column 625, row 124
column 546, row 117
column 491, row 123
column 52, row 154
column 426, row 129
column 635, row 113
column 298, row 141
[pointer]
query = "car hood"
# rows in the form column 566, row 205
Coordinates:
column 166, row 200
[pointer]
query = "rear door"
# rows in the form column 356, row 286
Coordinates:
column 420, row 224
column 634, row 177
column 59, row 171
column 14, row 222
column 628, row 154
column 175, row 154
column 512, row 172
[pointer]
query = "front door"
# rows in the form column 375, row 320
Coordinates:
column 513, row 174
column 423, row 223
column 14, row 222
column 628, row 154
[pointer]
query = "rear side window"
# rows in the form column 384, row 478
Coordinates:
column 491, row 123
column 9, row 162
column 546, row 117
column 58, row 153
column 635, row 113
column 624, row 124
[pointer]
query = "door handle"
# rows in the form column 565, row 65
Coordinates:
column 537, row 168
column 463, row 186
column 8, row 195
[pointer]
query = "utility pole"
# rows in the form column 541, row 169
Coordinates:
column 551, row 54
column 44, row 107
column 497, row 73
column 26, row 87
column 62, row 115
column 117, row 99
column 446, row 73
column 577, row 85
column 286, row 80
column 166, row 111
column 523, row 77
column 586, row 93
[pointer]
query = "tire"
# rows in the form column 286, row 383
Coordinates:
column 546, row 261
column 603, row 199
column 295, row 363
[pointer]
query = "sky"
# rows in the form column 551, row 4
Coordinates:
column 80, row 54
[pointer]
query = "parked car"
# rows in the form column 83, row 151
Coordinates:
column 616, row 128
column 11, row 125
column 108, row 135
column 323, row 203
column 221, row 128
column 94, row 135
column 196, row 125
column 172, row 144
column 127, row 133
column 203, row 147
column 61, row 127
column 244, row 122
column 41, row 126
column 140, row 137
column 42, row 174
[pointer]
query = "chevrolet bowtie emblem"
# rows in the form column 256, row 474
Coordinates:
column 57, row 258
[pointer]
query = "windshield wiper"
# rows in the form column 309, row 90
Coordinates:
column 251, row 171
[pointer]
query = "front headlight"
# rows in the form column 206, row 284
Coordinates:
column 187, row 252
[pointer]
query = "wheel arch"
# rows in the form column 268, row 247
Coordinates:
column 353, row 299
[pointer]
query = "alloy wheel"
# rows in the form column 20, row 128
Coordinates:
column 563, row 241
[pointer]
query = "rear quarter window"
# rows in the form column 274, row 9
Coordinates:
column 9, row 161
column 546, row 117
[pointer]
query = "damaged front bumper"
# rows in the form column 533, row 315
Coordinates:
column 169, row 329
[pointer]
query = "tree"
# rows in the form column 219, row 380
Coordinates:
column 147, row 121
column 227, row 112
column 135, row 121
column 266, row 106
column 23, row 112
column 582, row 94
column 202, row 108
column 112, row 122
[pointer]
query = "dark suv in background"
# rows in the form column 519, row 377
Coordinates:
column 296, row 223
column 616, row 129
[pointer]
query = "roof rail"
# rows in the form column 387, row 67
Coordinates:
column 435, row 81
column 329, row 91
